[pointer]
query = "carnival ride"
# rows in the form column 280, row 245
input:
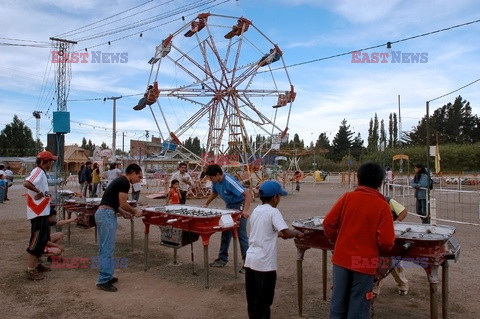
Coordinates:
column 213, row 72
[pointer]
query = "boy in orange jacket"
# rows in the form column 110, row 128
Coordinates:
column 361, row 226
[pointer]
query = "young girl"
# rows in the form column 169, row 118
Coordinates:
column 173, row 196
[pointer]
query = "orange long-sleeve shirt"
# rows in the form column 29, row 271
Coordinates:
column 361, row 225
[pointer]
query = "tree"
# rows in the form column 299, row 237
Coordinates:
column 454, row 123
column 383, row 136
column 357, row 147
column 341, row 142
column 397, row 136
column 296, row 143
column 391, row 143
column 323, row 142
column 373, row 135
column 16, row 139
column 193, row 145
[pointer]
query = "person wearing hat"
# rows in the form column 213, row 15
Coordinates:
column 38, row 210
column 266, row 224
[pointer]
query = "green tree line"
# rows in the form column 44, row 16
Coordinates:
column 453, row 126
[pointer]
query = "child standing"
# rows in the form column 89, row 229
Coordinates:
column 266, row 224
column 173, row 196
column 361, row 225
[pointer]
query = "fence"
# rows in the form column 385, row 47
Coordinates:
column 447, row 204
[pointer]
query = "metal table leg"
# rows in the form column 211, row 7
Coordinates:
column 235, row 256
column 132, row 230
column 445, row 267
column 145, row 248
column 432, row 272
column 300, row 254
column 205, row 265
column 324, row 273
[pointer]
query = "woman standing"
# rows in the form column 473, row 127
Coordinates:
column 420, row 184
column 95, row 180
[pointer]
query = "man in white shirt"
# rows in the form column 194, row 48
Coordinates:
column 184, row 179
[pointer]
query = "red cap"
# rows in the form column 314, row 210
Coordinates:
column 47, row 156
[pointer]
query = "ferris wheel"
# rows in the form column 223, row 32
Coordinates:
column 221, row 79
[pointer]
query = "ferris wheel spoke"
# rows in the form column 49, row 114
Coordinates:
column 216, row 76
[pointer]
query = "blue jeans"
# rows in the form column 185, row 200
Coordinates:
column 106, row 220
column 227, row 236
column 349, row 296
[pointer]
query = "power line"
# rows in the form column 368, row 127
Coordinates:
column 114, row 21
column 460, row 88
column 41, row 46
column 376, row 46
column 187, row 7
column 104, row 19
column 155, row 26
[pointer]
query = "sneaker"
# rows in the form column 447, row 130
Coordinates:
column 43, row 268
column 107, row 286
column 242, row 270
column 218, row 263
column 34, row 274
column 113, row 280
column 402, row 292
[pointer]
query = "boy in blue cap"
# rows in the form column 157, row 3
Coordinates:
column 266, row 224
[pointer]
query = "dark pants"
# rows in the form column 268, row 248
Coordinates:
column 38, row 235
column 183, row 197
column 422, row 210
column 260, row 289
column 351, row 296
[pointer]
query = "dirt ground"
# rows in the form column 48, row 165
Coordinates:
column 172, row 291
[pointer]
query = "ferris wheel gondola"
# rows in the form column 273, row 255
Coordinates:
column 226, row 84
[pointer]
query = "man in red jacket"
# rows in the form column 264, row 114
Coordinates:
column 361, row 225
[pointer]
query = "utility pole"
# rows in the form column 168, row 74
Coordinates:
column 36, row 115
column 61, row 118
column 114, row 134
column 400, row 136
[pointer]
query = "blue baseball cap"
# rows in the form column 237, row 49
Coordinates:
column 271, row 188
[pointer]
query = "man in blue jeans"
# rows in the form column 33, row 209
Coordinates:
column 235, row 196
column 114, row 201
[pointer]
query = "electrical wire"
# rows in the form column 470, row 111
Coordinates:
column 104, row 19
column 456, row 90
column 376, row 46
column 188, row 7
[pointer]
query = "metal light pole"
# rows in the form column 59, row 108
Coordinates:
column 114, row 134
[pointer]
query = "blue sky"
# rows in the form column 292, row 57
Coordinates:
column 327, row 91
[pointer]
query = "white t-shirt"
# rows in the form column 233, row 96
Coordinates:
column 113, row 174
column 265, row 223
column 179, row 177
column 39, row 207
